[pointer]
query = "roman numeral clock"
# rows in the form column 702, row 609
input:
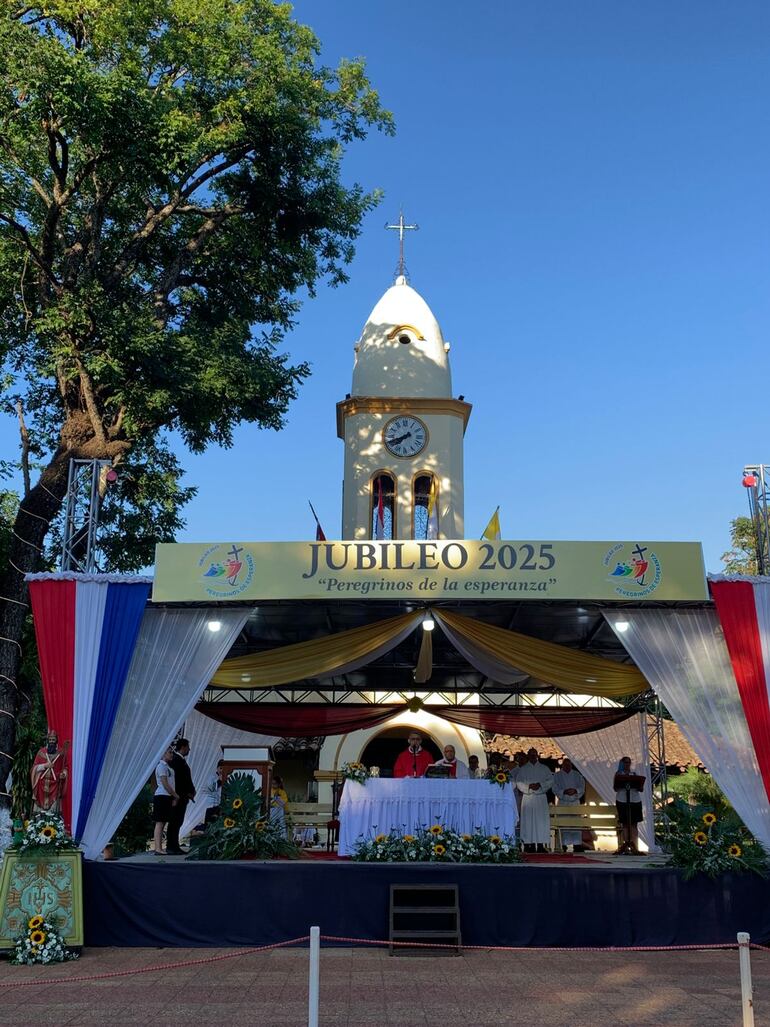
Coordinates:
column 405, row 436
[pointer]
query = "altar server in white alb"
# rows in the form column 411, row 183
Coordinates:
column 533, row 781
column 456, row 767
column 569, row 789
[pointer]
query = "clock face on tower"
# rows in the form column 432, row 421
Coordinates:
column 405, row 436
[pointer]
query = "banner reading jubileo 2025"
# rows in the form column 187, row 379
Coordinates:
column 451, row 569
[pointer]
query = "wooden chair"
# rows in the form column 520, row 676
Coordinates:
column 313, row 815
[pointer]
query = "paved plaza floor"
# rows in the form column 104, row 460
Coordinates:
column 367, row 986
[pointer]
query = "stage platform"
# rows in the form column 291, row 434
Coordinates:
column 172, row 902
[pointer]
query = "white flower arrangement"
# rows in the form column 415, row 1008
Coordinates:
column 44, row 832
column 438, row 844
column 40, row 943
column 355, row 772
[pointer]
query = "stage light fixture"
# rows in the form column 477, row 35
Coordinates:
column 214, row 625
column 622, row 625
column 111, row 475
column 428, row 623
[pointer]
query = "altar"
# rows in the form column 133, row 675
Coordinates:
column 408, row 804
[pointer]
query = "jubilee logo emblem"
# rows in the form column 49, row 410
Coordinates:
column 635, row 571
column 226, row 572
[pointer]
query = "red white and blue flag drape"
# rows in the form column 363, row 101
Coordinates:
column 86, row 628
column 743, row 607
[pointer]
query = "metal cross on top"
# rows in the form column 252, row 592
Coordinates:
column 402, row 227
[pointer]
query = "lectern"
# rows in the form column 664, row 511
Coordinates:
column 256, row 761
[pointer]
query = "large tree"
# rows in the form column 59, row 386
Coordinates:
column 169, row 181
column 742, row 557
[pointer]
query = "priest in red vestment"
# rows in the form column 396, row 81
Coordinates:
column 415, row 760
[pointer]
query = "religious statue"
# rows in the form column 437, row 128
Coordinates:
column 49, row 776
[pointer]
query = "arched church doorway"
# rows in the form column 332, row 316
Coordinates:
column 383, row 749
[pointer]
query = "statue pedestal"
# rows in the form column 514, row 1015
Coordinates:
column 44, row 884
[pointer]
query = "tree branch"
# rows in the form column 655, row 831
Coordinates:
column 24, row 447
column 34, row 253
column 158, row 216
column 170, row 280
column 90, row 400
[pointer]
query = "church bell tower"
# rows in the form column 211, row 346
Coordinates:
column 403, row 431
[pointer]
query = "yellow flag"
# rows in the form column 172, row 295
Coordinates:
column 492, row 530
column 432, row 528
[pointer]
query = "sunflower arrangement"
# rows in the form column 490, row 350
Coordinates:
column 40, row 943
column 355, row 772
column 498, row 776
column 438, row 844
column 43, row 833
column 703, row 843
column 241, row 829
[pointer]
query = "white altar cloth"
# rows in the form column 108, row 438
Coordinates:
column 407, row 804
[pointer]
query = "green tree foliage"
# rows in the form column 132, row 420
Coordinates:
column 31, row 728
column 741, row 558
column 169, row 183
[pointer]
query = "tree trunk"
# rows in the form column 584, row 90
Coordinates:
column 36, row 512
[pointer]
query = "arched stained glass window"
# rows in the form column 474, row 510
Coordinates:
column 425, row 506
column 383, row 506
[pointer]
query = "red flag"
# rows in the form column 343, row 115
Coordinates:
column 319, row 532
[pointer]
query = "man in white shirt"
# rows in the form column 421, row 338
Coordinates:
column 474, row 770
column 569, row 789
column 456, row 768
column 533, row 781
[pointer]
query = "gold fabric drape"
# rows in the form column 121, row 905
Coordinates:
column 553, row 664
column 424, row 668
column 321, row 657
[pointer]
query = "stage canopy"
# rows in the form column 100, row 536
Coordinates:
column 119, row 696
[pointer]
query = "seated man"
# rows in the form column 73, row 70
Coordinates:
column 456, row 768
column 474, row 770
column 415, row 760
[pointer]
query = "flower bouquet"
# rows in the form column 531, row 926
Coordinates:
column 438, row 844
column 700, row 843
column 40, row 943
column 498, row 776
column 241, row 829
column 43, row 833
column 355, row 772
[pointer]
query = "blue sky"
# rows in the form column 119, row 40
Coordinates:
column 591, row 184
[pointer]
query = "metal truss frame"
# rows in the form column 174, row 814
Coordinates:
column 656, row 741
column 81, row 515
column 759, row 495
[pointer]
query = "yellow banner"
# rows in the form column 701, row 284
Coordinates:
column 463, row 569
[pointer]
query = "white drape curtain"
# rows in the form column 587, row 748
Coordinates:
column 89, row 615
column 206, row 738
column 683, row 655
column 596, row 756
column 175, row 657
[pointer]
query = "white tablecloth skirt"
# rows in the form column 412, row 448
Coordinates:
column 408, row 804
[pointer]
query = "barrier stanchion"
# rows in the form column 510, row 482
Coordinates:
column 314, row 977
column 747, row 992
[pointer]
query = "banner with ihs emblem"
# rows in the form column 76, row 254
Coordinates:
column 49, row 886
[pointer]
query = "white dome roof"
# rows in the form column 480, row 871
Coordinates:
column 401, row 351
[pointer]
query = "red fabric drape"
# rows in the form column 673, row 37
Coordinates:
column 534, row 721
column 313, row 719
column 53, row 614
column 301, row 720
column 737, row 612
